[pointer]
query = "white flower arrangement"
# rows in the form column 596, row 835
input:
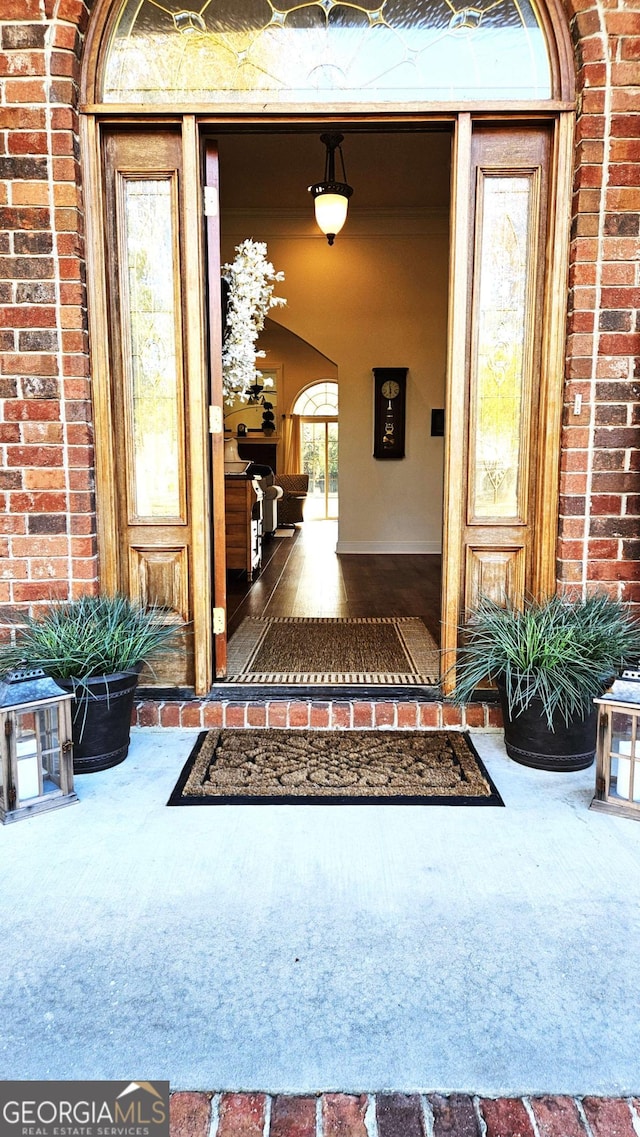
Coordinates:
column 251, row 279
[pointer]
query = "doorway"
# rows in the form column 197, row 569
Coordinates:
column 316, row 410
column 504, row 320
column 363, row 71
column 378, row 296
column 320, row 464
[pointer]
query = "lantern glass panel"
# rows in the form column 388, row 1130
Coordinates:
column 38, row 754
column 28, row 766
column 48, row 728
column 625, row 757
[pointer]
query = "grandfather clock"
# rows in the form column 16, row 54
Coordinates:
column 390, row 387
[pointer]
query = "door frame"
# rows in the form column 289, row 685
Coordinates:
column 207, row 511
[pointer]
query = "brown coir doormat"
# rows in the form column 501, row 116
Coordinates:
column 347, row 767
column 335, row 650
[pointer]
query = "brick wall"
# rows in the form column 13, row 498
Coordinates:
column 599, row 545
column 47, row 520
column 47, row 536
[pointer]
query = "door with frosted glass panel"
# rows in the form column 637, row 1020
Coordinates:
column 497, row 385
column 149, row 384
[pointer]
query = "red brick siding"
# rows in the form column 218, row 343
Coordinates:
column 47, row 521
column 46, row 443
column 398, row 1115
column 599, row 521
column 346, row 715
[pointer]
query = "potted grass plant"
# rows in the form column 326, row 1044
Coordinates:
column 94, row 646
column 549, row 660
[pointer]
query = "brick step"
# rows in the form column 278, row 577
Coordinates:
column 400, row 1115
column 344, row 714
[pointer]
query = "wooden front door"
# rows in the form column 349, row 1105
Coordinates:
column 156, row 470
column 505, row 369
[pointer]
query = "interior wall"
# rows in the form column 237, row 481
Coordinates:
column 301, row 363
column 377, row 298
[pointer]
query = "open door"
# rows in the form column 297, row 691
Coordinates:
column 504, row 386
column 152, row 468
column 216, row 415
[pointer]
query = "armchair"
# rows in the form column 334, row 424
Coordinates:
column 295, row 488
column 272, row 495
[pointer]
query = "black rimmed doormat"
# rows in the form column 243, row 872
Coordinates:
column 348, row 767
column 333, row 650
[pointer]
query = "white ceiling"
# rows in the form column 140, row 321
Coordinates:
column 386, row 170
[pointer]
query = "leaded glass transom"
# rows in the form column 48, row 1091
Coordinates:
column 321, row 399
column 325, row 51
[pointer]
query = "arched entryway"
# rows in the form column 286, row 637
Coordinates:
column 316, row 412
column 145, row 133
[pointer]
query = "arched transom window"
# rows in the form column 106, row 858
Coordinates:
column 323, row 51
column 321, row 399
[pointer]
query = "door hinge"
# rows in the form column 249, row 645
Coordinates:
column 211, row 201
column 219, row 621
column 215, row 420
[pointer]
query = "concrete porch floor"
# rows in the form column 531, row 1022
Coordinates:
column 298, row 949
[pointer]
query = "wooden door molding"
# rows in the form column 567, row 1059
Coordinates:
column 197, row 410
column 105, row 461
column 554, row 342
column 212, row 192
column 456, row 396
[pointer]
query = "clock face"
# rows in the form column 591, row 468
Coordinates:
column 390, row 389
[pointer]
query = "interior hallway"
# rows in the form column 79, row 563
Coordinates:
column 303, row 576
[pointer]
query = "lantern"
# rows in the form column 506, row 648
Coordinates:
column 36, row 767
column 618, row 750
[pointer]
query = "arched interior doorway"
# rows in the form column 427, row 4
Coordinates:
column 149, row 141
column 316, row 410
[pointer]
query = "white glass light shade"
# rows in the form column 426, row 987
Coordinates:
column 331, row 213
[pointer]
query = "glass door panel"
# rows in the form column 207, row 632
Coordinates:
column 502, row 351
column 154, row 396
column 320, row 462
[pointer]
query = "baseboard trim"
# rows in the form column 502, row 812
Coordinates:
column 389, row 547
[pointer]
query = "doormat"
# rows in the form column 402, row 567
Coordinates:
column 334, row 767
column 285, row 533
column 334, row 650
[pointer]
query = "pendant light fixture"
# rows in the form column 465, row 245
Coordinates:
column 331, row 198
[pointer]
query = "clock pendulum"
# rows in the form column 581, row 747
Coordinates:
column 390, row 391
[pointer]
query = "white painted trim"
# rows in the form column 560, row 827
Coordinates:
column 389, row 547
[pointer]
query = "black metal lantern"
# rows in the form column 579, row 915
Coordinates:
column 330, row 197
column 618, row 751
column 36, row 766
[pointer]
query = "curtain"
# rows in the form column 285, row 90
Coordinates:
column 291, row 449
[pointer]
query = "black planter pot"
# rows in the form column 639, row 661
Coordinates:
column 530, row 742
column 101, row 720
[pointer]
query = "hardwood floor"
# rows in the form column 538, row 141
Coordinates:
column 304, row 576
